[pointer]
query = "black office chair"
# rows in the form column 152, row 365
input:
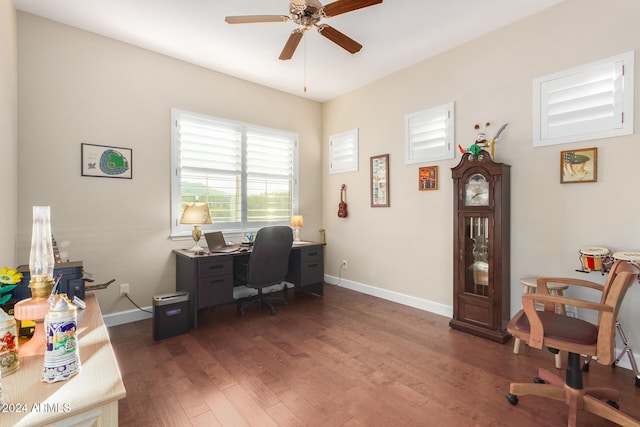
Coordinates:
column 267, row 265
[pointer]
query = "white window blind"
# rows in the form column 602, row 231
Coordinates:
column 587, row 102
column 343, row 152
column 246, row 174
column 429, row 134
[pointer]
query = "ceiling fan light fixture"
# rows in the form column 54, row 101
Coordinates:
column 307, row 14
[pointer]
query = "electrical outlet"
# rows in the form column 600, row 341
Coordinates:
column 124, row 290
column 344, row 264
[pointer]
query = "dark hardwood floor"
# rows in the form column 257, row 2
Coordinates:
column 346, row 359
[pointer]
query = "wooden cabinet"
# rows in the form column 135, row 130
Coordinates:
column 481, row 289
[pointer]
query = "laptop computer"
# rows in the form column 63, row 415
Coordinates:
column 216, row 243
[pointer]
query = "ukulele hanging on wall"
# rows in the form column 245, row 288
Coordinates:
column 342, row 206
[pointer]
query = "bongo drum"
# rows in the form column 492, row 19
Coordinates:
column 592, row 258
column 631, row 256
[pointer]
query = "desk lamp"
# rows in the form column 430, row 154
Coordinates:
column 41, row 265
column 296, row 224
column 196, row 214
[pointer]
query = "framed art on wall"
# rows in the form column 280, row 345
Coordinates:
column 380, row 181
column 105, row 161
column 428, row 178
column 578, row 166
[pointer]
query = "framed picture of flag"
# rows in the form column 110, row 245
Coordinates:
column 578, row 166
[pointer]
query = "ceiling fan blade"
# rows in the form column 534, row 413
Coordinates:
column 339, row 38
column 251, row 19
column 343, row 6
column 291, row 45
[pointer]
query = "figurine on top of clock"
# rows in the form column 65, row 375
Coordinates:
column 481, row 140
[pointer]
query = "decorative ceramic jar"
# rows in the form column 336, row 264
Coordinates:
column 9, row 361
column 61, row 357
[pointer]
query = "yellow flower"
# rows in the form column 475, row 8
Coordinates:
column 9, row 276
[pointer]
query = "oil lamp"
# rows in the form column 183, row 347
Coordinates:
column 41, row 265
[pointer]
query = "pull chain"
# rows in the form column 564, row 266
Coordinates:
column 305, row 65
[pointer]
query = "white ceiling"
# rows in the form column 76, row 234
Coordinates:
column 395, row 34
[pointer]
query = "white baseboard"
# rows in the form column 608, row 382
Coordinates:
column 422, row 304
column 127, row 316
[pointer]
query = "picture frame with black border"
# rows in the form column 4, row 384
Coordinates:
column 104, row 161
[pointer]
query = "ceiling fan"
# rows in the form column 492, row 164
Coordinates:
column 308, row 14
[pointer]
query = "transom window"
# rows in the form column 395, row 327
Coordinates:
column 429, row 134
column 584, row 103
column 246, row 174
column 343, row 152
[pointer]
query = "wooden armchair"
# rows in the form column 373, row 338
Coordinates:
column 561, row 333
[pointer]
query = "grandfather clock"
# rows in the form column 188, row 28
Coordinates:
column 481, row 247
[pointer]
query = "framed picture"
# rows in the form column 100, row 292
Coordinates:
column 579, row 166
column 428, row 178
column 380, row 181
column 105, row 161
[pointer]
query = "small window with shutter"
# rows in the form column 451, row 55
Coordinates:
column 429, row 134
column 343, row 152
column 587, row 102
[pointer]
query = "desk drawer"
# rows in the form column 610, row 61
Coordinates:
column 312, row 255
column 215, row 267
column 311, row 273
column 215, row 290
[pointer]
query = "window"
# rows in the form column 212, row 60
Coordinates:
column 247, row 174
column 587, row 102
column 429, row 134
column 343, row 152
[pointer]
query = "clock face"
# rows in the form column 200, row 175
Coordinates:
column 476, row 191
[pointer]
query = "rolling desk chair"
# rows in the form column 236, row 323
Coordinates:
column 267, row 265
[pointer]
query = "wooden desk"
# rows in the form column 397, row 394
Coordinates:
column 88, row 398
column 209, row 278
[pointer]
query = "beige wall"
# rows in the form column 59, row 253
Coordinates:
column 408, row 247
column 76, row 87
column 8, row 134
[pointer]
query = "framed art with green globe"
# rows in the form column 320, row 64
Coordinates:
column 106, row 162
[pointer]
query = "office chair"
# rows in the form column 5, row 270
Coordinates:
column 561, row 333
column 267, row 266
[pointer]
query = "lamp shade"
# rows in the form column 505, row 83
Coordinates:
column 196, row 213
column 296, row 221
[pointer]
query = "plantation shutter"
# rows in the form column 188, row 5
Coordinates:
column 211, row 165
column 343, row 152
column 270, row 175
column 429, row 134
column 583, row 102
column 587, row 102
column 245, row 173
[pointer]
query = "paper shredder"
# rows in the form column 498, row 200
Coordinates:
column 170, row 315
